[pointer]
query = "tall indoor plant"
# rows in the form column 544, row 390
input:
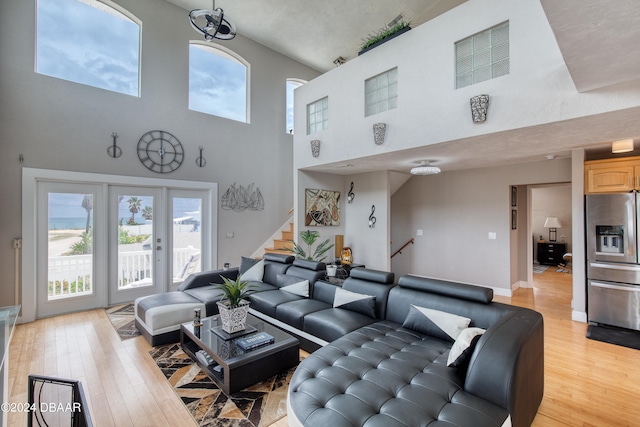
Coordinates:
column 234, row 306
column 309, row 238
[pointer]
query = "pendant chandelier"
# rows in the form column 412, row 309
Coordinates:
column 212, row 24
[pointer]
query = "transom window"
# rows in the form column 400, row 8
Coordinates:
column 318, row 115
column 483, row 56
column 381, row 92
column 218, row 82
column 95, row 43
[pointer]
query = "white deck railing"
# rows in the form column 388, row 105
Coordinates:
column 73, row 275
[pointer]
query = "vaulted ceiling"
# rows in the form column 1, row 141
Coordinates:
column 597, row 38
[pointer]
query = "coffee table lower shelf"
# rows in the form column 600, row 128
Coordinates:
column 234, row 369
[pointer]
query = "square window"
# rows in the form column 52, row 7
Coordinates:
column 317, row 115
column 379, row 91
column 483, row 56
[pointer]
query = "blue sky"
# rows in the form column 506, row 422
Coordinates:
column 84, row 44
column 80, row 43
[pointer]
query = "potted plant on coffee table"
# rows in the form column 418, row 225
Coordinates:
column 233, row 306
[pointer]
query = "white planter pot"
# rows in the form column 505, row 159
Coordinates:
column 233, row 319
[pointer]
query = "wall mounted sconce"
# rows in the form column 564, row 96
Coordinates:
column 379, row 130
column 315, row 147
column 351, row 195
column 372, row 219
column 201, row 161
column 113, row 150
column 479, row 107
column 622, row 146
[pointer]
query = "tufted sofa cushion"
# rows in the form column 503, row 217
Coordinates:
column 385, row 375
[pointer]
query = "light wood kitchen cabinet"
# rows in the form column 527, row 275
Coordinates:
column 612, row 175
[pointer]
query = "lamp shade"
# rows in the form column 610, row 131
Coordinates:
column 552, row 222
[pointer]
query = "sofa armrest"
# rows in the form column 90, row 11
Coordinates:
column 507, row 366
column 205, row 278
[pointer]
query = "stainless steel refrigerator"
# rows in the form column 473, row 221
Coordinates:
column 613, row 265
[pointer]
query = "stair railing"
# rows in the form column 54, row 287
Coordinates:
column 399, row 251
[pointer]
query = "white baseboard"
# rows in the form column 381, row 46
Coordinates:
column 579, row 316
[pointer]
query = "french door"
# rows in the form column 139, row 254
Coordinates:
column 70, row 255
column 101, row 243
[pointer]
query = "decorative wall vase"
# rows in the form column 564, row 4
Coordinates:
column 233, row 319
column 315, row 147
column 379, row 130
column 479, row 107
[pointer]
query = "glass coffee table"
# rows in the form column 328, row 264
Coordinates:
column 227, row 364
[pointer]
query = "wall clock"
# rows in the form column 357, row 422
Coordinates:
column 159, row 151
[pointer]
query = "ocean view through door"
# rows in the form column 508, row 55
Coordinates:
column 97, row 243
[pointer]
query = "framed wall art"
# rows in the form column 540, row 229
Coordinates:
column 322, row 207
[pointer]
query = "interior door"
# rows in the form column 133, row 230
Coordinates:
column 137, row 242
column 70, row 241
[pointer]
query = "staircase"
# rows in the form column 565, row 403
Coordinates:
column 283, row 245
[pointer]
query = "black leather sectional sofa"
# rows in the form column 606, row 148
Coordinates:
column 377, row 361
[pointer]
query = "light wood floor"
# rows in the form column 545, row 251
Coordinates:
column 587, row 383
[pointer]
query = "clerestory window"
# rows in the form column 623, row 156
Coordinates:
column 218, row 82
column 95, row 43
column 292, row 84
column 483, row 56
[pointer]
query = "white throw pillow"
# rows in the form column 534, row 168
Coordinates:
column 462, row 349
column 255, row 273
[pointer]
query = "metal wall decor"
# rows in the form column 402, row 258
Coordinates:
column 159, row 151
column 113, row 150
column 201, row 161
column 322, row 207
column 372, row 219
column 350, row 195
column 479, row 107
column 238, row 198
column 379, row 130
column 315, row 148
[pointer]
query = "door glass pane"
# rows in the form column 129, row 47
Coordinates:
column 70, row 245
column 187, row 237
column 135, row 241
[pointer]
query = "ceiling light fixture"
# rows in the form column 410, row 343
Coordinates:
column 425, row 168
column 622, row 146
column 212, row 24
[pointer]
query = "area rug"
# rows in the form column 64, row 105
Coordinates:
column 539, row 269
column 259, row 405
column 122, row 318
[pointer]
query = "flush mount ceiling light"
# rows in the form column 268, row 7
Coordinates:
column 622, row 146
column 212, row 24
column 425, row 168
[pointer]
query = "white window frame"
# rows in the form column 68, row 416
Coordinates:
column 289, row 103
column 228, row 54
column 115, row 9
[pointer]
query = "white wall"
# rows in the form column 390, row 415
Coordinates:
column 538, row 89
column 457, row 211
column 61, row 125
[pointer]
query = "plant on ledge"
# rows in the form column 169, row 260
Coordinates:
column 309, row 237
column 384, row 34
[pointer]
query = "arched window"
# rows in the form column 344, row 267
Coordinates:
column 96, row 43
column 292, row 84
column 218, row 82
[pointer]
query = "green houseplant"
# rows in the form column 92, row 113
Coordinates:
column 384, row 34
column 233, row 306
column 309, row 238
